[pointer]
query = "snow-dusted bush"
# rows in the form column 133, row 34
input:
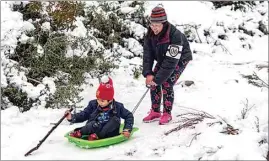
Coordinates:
column 235, row 5
column 111, row 21
column 17, row 97
column 61, row 42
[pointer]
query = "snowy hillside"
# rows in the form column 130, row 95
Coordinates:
column 220, row 89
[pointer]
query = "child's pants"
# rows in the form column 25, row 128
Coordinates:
column 166, row 89
column 110, row 129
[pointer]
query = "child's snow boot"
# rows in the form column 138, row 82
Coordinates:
column 92, row 137
column 76, row 134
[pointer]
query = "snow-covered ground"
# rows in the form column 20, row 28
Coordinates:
column 219, row 90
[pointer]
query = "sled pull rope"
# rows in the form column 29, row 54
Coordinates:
column 148, row 87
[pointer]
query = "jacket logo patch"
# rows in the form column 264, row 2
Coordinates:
column 174, row 51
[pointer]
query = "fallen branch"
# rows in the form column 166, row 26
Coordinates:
column 35, row 80
column 194, row 137
column 261, row 66
column 212, row 123
column 263, row 82
column 253, row 77
column 202, row 112
column 187, row 124
column 224, row 120
column 41, row 141
column 229, row 129
column 242, row 63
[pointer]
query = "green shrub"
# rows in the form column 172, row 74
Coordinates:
column 137, row 72
column 65, row 96
column 17, row 97
column 63, row 13
column 30, row 11
column 107, row 28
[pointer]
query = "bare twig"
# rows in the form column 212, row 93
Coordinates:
column 263, row 82
column 260, row 66
column 184, row 119
column 257, row 123
column 207, row 114
column 255, row 80
column 196, row 29
column 193, row 26
column 202, row 114
column 208, row 34
column 246, row 109
column 186, row 25
column 227, row 51
column 35, row 80
column 242, row 63
column 229, row 129
column 194, row 137
column 188, row 123
column 224, row 120
column 46, row 136
column 212, row 123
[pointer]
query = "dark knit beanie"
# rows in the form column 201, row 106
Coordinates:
column 158, row 15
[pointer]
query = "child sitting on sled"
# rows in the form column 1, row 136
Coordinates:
column 103, row 115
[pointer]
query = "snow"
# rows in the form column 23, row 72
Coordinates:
column 127, row 10
column 40, row 50
column 80, row 30
column 3, row 78
column 133, row 45
column 45, row 26
column 219, row 90
column 24, row 39
column 137, row 29
column 28, row 26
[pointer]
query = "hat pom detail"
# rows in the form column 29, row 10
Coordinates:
column 105, row 79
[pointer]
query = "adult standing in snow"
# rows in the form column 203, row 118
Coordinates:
column 165, row 44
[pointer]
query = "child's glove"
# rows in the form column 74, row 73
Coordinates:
column 68, row 115
column 126, row 133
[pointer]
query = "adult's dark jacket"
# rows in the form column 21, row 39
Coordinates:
column 169, row 48
column 91, row 112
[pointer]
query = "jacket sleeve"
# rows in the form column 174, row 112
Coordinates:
column 83, row 115
column 128, row 118
column 147, row 58
column 178, row 45
column 186, row 52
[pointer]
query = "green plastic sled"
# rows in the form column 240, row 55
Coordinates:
column 84, row 143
